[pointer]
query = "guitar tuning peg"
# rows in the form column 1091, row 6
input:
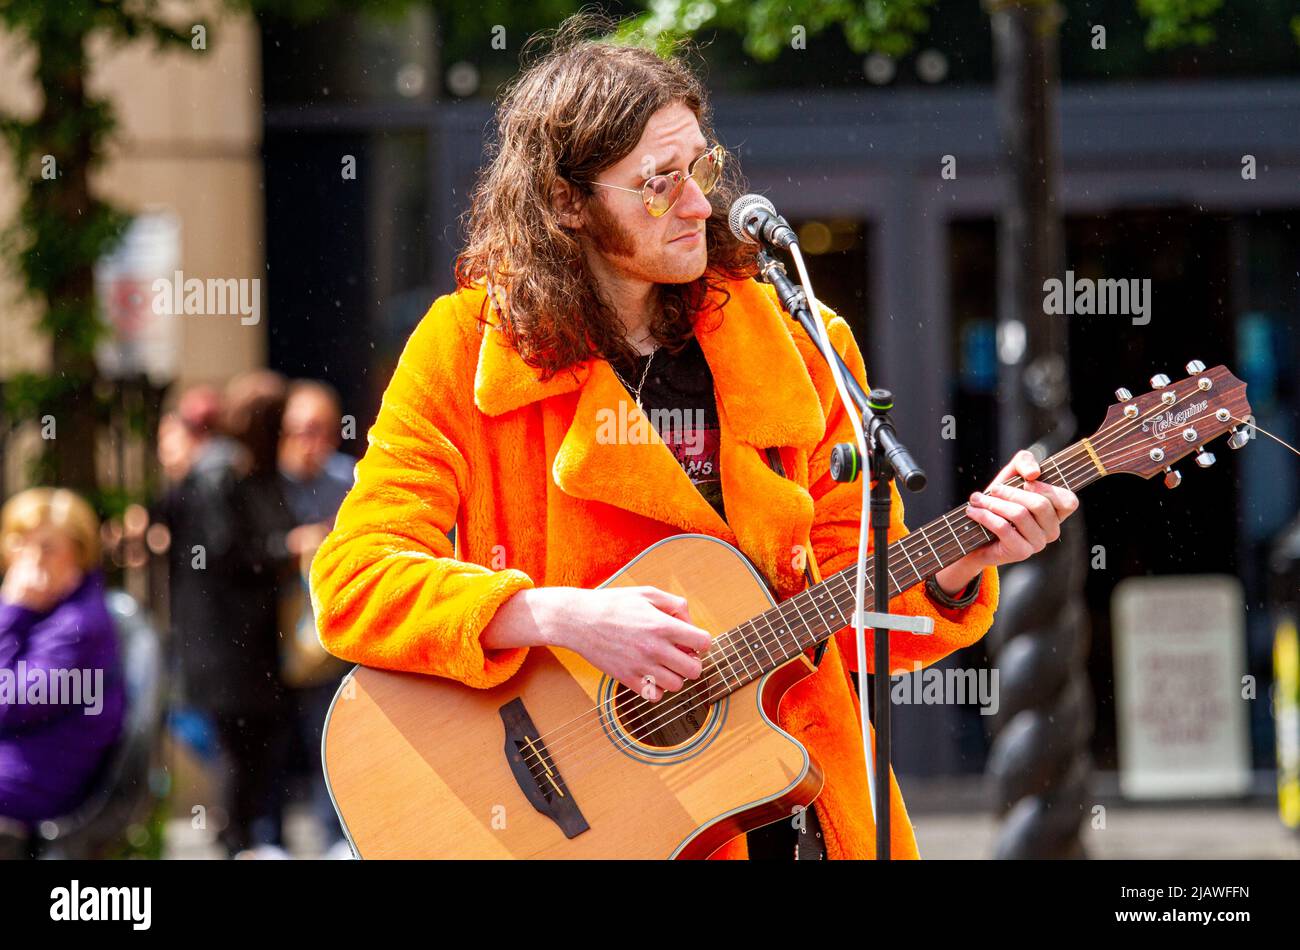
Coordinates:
column 1172, row 478
column 1238, row 439
column 1123, row 395
column 1159, row 381
column 1194, row 367
column 1203, row 458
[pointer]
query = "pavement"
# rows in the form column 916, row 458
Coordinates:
column 1130, row 831
column 303, row 838
column 955, row 817
column 1196, row 832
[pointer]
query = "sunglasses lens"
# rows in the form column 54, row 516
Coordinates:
column 708, row 170
column 661, row 192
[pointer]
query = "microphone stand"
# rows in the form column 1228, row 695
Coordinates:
column 889, row 459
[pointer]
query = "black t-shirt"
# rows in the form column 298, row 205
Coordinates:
column 678, row 399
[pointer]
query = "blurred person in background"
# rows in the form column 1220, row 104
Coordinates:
column 230, row 526
column 189, row 436
column 198, row 461
column 253, row 712
column 315, row 477
column 54, row 624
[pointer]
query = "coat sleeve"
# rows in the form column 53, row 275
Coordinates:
column 837, row 510
column 385, row 587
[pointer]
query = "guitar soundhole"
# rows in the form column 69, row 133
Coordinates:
column 672, row 721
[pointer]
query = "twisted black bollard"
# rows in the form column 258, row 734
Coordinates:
column 1039, row 763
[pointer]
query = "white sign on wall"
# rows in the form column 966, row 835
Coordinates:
column 139, row 340
column 1180, row 655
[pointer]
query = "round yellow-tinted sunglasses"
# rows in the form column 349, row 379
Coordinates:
column 661, row 192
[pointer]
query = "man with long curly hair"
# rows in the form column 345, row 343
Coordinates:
column 600, row 287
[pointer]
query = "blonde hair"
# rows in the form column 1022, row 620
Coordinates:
column 59, row 508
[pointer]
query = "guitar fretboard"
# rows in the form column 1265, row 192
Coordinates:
column 746, row 652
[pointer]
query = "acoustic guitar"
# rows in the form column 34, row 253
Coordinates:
column 562, row 761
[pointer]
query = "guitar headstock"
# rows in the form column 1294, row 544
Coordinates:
column 1147, row 434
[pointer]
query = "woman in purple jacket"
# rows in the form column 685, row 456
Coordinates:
column 61, row 692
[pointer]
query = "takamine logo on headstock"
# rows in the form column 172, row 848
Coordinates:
column 1161, row 424
column 1147, row 434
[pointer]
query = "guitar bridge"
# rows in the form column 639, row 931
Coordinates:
column 536, row 773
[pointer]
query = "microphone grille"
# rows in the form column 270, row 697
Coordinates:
column 740, row 209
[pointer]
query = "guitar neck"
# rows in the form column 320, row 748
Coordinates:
column 804, row 620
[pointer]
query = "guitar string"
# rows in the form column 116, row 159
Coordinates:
column 576, row 766
column 689, row 697
column 810, row 596
column 1076, row 466
column 1081, row 464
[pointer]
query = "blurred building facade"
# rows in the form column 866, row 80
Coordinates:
column 189, row 141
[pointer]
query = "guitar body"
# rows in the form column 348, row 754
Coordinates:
column 425, row 767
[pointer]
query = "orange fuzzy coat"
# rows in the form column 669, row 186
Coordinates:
column 468, row 435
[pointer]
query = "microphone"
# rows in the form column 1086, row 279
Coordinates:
column 753, row 219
